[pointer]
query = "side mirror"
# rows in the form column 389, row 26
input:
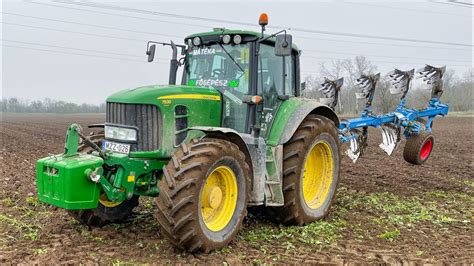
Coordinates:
column 151, row 52
column 283, row 45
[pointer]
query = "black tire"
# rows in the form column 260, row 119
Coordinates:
column 103, row 215
column 179, row 203
column 96, row 137
column 313, row 130
column 418, row 148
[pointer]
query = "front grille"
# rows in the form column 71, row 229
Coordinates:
column 146, row 117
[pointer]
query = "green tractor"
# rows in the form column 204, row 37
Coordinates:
column 235, row 133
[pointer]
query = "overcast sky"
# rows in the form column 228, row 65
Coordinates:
column 104, row 60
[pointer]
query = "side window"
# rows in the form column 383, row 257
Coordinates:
column 290, row 75
column 271, row 82
column 270, row 72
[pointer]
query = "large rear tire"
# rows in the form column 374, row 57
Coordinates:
column 203, row 195
column 107, row 211
column 311, row 162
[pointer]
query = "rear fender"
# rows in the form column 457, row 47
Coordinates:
column 290, row 115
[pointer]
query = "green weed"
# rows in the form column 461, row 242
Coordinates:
column 40, row 251
column 33, row 201
column 27, row 230
column 408, row 211
column 389, row 235
column 8, row 202
column 320, row 233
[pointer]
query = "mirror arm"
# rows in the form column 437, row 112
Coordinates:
column 182, row 46
column 272, row 35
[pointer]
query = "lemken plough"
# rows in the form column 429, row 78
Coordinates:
column 413, row 123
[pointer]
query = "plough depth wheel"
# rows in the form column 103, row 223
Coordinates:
column 418, row 148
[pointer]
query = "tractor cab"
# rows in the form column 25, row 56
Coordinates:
column 253, row 72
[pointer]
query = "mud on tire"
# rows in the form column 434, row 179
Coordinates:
column 313, row 129
column 418, row 148
column 179, row 203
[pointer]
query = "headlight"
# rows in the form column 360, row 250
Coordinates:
column 196, row 41
column 237, row 39
column 120, row 133
column 226, row 39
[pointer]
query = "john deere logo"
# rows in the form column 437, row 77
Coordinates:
column 234, row 83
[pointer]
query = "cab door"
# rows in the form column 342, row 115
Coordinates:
column 270, row 81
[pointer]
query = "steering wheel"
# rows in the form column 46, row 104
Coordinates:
column 216, row 72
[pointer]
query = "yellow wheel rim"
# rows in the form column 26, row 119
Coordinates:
column 219, row 198
column 106, row 203
column 317, row 174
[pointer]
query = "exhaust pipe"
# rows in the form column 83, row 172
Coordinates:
column 173, row 64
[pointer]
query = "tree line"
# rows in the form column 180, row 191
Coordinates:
column 458, row 91
column 16, row 105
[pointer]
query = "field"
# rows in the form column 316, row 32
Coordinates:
column 386, row 210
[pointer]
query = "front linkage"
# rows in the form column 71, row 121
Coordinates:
column 117, row 175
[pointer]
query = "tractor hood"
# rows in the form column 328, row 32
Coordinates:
column 153, row 93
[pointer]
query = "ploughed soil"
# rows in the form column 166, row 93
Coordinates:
column 386, row 210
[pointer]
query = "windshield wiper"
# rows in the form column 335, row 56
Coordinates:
column 232, row 58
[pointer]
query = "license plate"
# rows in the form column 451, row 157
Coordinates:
column 117, row 147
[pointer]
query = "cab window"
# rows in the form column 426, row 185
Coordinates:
column 270, row 73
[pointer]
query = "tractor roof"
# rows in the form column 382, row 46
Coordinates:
column 223, row 31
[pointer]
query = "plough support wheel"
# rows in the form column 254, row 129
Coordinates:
column 418, row 148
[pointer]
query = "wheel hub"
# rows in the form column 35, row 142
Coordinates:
column 106, row 203
column 426, row 149
column 219, row 198
column 317, row 175
column 215, row 197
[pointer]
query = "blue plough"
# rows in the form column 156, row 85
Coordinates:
column 415, row 124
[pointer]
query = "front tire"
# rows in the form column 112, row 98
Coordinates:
column 106, row 212
column 203, row 195
column 311, row 163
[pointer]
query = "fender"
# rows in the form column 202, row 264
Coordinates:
column 226, row 133
column 254, row 150
column 241, row 140
column 290, row 115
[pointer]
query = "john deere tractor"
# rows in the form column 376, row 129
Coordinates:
column 235, row 133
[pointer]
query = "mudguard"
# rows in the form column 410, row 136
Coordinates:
column 290, row 115
column 254, row 150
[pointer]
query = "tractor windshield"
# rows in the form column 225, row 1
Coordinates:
column 219, row 66
column 226, row 68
